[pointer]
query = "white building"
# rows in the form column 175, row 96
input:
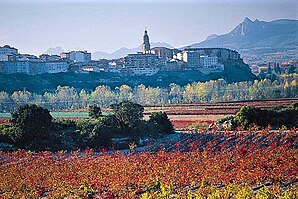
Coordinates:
column 191, row 57
column 206, row 61
column 114, row 68
column 33, row 68
column 142, row 64
column 56, row 66
column 10, row 67
column 210, row 65
column 77, row 56
column 143, row 71
column 7, row 51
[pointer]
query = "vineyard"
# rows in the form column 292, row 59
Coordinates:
column 246, row 164
column 182, row 115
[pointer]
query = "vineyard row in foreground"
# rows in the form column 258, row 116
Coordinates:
column 247, row 164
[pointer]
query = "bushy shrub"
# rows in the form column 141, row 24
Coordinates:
column 31, row 124
column 6, row 132
column 289, row 116
column 248, row 116
column 101, row 136
column 149, row 129
column 227, row 122
column 94, row 134
column 128, row 116
column 163, row 122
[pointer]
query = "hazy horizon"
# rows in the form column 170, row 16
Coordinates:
column 34, row 26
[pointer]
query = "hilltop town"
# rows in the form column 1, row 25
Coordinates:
column 148, row 62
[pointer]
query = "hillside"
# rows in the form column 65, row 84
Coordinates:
column 234, row 72
column 258, row 38
column 257, row 35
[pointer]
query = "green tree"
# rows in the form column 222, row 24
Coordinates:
column 125, row 93
column 95, row 111
column 94, row 134
column 103, row 96
column 189, row 94
column 289, row 116
column 175, row 93
column 245, row 116
column 128, row 115
column 5, row 102
column 140, row 94
column 277, row 68
column 249, row 115
column 67, row 97
column 84, row 98
column 31, row 124
column 21, row 97
column 100, row 136
column 162, row 120
column 51, row 100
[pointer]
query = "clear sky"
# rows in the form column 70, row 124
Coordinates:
column 33, row 26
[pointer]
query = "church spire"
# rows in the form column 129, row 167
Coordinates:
column 146, row 43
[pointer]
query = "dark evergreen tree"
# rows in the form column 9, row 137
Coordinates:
column 269, row 69
column 31, row 124
column 277, row 68
column 128, row 116
column 162, row 120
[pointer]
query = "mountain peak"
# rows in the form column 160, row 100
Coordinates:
column 257, row 37
column 213, row 36
column 247, row 20
column 122, row 52
column 54, row 51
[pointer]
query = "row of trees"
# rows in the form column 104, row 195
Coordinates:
column 66, row 97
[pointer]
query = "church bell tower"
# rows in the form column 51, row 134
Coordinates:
column 146, row 43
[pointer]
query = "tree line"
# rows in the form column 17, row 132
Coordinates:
column 66, row 97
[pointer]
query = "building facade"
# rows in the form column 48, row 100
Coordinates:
column 212, row 58
column 10, row 67
column 33, row 68
column 56, row 66
column 141, row 60
column 206, row 61
column 163, row 52
column 46, row 57
column 77, row 56
column 142, row 64
column 147, row 62
column 7, row 51
column 192, row 58
column 223, row 54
